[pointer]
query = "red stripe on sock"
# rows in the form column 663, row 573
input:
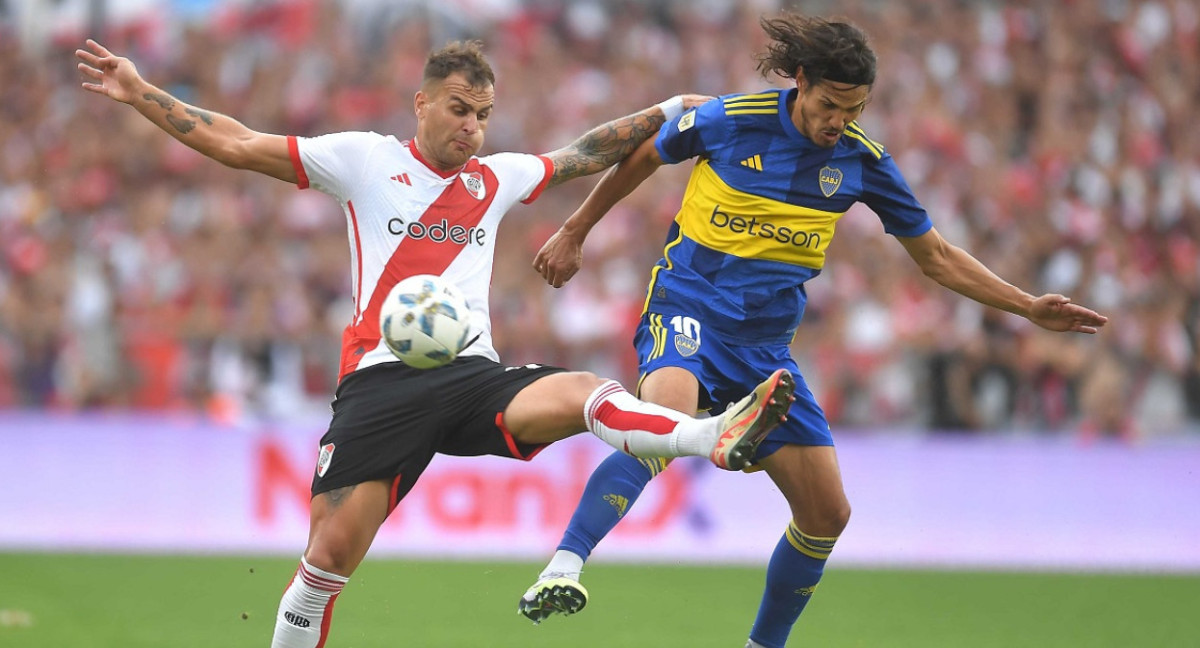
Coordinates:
column 605, row 391
column 326, row 617
column 619, row 419
column 332, row 582
column 324, row 584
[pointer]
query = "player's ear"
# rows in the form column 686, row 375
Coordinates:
column 798, row 77
column 420, row 104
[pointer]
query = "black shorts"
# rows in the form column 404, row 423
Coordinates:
column 390, row 419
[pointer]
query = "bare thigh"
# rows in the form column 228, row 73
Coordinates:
column 672, row 387
column 551, row 408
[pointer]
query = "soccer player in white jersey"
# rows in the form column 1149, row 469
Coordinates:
column 429, row 205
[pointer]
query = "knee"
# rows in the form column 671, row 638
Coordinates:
column 839, row 518
column 584, row 382
column 333, row 552
column 330, row 557
column 574, row 388
column 826, row 522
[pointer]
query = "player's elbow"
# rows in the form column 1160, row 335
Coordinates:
column 936, row 263
column 233, row 153
column 936, row 270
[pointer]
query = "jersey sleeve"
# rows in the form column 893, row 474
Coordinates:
column 525, row 175
column 333, row 163
column 696, row 132
column 887, row 193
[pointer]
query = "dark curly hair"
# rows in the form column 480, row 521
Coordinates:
column 818, row 48
column 459, row 56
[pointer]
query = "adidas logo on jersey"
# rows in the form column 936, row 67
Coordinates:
column 402, row 179
column 754, row 162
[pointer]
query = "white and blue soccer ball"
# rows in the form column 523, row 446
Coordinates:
column 425, row 321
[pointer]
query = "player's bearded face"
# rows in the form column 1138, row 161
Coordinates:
column 452, row 116
column 823, row 110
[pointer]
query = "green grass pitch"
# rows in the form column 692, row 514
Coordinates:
column 103, row 601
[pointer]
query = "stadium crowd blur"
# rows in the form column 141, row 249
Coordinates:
column 1054, row 140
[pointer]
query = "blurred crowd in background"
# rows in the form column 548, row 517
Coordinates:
column 1053, row 140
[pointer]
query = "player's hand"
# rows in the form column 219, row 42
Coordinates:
column 1057, row 313
column 692, row 100
column 559, row 259
column 111, row 75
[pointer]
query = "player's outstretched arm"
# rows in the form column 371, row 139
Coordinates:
column 562, row 255
column 609, row 143
column 954, row 268
column 221, row 138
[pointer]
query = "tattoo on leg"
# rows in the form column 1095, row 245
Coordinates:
column 203, row 115
column 164, row 101
column 339, row 495
column 184, row 126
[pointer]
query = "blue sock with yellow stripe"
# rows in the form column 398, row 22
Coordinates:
column 613, row 487
column 792, row 576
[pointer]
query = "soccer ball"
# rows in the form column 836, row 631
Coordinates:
column 425, row 321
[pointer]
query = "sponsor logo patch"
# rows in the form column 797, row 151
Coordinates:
column 753, row 227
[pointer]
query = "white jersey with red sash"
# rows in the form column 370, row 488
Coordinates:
column 405, row 218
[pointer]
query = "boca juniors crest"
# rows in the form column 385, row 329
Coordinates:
column 829, row 179
column 685, row 346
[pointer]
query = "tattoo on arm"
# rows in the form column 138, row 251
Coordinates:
column 167, row 103
column 164, row 101
column 184, row 126
column 203, row 115
column 603, row 146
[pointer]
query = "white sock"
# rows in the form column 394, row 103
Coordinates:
column 643, row 429
column 750, row 643
column 306, row 608
column 564, row 563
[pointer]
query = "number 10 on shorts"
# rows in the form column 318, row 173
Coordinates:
column 687, row 327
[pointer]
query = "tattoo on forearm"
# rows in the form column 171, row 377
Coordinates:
column 203, row 115
column 164, row 101
column 604, row 146
column 184, row 126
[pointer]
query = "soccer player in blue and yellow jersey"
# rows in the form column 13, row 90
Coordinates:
column 774, row 172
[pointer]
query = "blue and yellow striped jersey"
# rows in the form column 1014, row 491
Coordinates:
column 760, row 210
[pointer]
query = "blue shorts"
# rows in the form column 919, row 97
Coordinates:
column 727, row 373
